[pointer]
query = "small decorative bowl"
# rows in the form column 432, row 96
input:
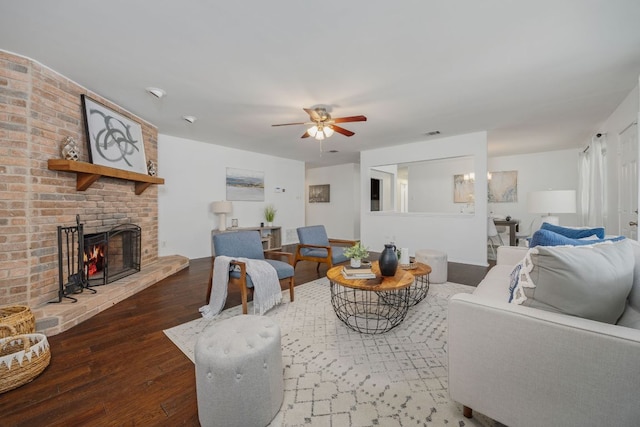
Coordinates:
column 409, row 266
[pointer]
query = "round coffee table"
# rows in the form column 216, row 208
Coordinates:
column 370, row 306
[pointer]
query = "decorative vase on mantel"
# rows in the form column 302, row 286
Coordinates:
column 70, row 150
column 388, row 261
column 152, row 168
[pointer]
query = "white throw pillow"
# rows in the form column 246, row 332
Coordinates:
column 591, row 281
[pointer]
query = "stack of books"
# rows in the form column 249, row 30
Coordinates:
column 358, row 273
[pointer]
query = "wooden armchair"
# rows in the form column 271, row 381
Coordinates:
column 247, row 244
column 315, row 246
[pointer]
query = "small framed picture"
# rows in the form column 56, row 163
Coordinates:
column 319, row 193
column 234, row 223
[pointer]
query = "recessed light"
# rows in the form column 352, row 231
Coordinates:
column 189, row 119
column 156, row 91
column 433, row 133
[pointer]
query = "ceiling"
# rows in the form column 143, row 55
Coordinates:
column 537, row 75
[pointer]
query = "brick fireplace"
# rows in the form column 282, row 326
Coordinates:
column 39, row 108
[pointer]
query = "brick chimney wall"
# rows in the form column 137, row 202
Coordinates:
column 38, row 110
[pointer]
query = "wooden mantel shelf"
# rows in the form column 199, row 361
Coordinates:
column 88, row 173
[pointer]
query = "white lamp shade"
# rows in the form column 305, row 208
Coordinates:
column 222, row 206
column 552, row 201
column 328, row 131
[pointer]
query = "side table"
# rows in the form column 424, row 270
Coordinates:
column 418, row 291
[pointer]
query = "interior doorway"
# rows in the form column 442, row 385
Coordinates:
column 628, row 179
column 375, row 194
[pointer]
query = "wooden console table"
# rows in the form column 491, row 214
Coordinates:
column 513, row 225
column 271, row 236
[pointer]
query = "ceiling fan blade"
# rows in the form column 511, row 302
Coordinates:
column 313, row 114
column 305, row 135
column 350, row 119
column 343, row 131
column 289, row 124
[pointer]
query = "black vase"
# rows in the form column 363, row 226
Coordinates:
column 388, row 261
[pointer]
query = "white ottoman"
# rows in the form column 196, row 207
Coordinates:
column 437, row 260
column 239, row 377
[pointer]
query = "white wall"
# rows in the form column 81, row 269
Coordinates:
column 341, row 216
column 625, row 114
column 195, row 176
column 462, row 236
column 556, row 170
column 431, row 185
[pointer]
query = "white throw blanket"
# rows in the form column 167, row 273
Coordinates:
column 266, row 286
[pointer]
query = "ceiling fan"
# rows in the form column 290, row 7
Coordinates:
column 322, row 125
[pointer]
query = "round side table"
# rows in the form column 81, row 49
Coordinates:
column 418, row 291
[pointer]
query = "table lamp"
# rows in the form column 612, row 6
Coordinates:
column 222, row 208
column 552, row 201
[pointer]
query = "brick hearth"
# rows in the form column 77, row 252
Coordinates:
column 55, row 318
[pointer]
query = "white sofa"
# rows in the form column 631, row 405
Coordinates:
column 524, row 366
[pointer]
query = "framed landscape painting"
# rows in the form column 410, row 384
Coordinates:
column 503, row 187
column 113, row 139
column 245, row 185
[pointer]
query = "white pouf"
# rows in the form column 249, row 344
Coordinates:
column 239, row 377
column 437, row 260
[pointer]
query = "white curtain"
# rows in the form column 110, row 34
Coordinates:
column 592, row 203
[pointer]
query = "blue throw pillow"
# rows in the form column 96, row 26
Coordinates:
column 549, row 238
column 574, row 233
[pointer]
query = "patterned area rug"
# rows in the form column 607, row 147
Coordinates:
column 337, row 377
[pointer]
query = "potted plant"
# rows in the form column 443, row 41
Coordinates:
column 356, row 253
column 270, row 214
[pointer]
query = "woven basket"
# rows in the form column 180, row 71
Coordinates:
column 22, row 358
column 19, row 317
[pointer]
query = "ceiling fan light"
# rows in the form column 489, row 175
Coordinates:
column 313, row 131
column 156, row 91
column 328, row 131
column 320, row 136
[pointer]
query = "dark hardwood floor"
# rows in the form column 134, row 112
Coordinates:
column 118, row 368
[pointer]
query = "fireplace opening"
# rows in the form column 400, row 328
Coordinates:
column 87, row 260
column 95, row 250
column 112, row 255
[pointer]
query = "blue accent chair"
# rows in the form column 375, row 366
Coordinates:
column 315, row 246
column 247, row 244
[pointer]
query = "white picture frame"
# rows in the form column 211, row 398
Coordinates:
column 463, row 189
column 245, row 185
column 113, row 139
column 502, row 187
